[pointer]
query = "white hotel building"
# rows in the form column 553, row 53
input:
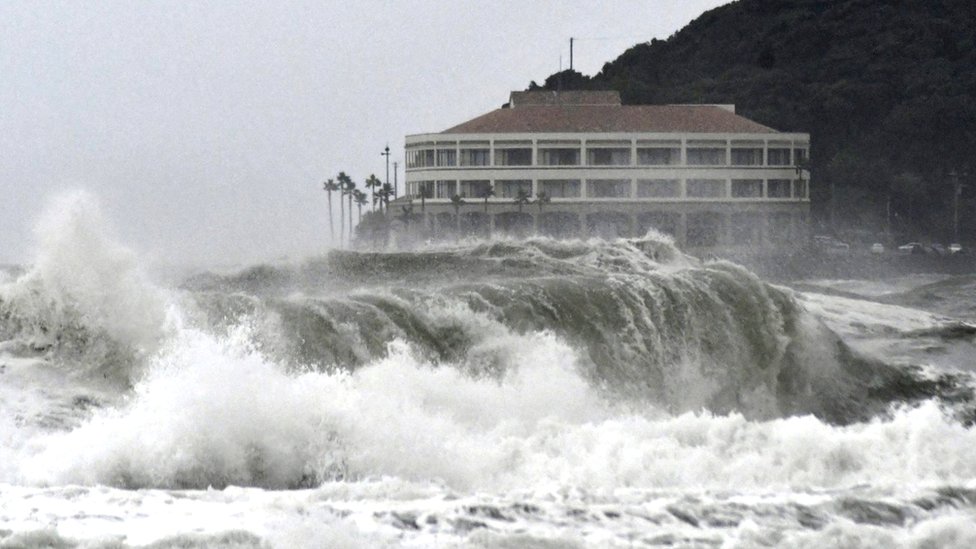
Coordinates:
column 702, row 173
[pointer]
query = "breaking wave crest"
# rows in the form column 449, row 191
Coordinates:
column 670, row 333
column 84, row 296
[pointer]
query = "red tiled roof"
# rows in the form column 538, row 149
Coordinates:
column 606, row 118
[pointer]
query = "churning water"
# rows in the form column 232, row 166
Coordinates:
column 501, row 394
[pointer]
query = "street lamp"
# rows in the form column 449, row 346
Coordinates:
column 386, row 153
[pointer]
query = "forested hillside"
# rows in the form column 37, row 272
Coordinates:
column 886, row 88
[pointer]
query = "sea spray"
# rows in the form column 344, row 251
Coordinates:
column 213, row 413
column 84, row 293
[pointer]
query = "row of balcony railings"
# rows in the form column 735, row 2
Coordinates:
column 623, row 156
column 796, row 189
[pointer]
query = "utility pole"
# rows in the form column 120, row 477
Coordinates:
column 570, row 53
column 386, row 153
column 395, row 188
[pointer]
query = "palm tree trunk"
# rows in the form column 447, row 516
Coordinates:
column 457, row 219
column 342, row 222
column 350, row 218
column 331, row 225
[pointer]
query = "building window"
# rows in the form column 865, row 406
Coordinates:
column 475, row 189
column 747, row 188
column 778, row 157
column 559, row 157
column 747, row 156
column 420, row 158
column 510, row 188
column 778, row 188
column 658, row 188
column 513, row 157
column 800, row 156
column 800, row 188
column 475, row 157
column 608, row 157
column 424, row 186
column 561, row 188
column 608, row 188
column 706, row 188
column 706, row 156
column 445, row 189
column 659, row 156
column 446, row 157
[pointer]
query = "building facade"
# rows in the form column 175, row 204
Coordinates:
column 701, row 173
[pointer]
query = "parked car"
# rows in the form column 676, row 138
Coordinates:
column 955, row 248
column 831, row 245
column 912, row 248
column 877, row 248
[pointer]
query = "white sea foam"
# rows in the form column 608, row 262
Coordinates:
column 862, row 318
column 216, row 412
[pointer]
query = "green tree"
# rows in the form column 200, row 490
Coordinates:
column 341, row 180
column 406, row 216
column 361, row 199
column 457, row 202
column 541, row 199
column 425, row 193
column 350, row 192
column 486, row 194
column 374, row 184
column 386, row 191
column 345, row 187
column 330, row 186
column 521, row 199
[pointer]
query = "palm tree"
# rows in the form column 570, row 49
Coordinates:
column 486, row 194
column 386, row 192
column 342, row 178
column 541, row 199
column 345, row 187
column 457, row 202
column 330, row 186
column 425, row 193
column 350, row 192
column 521, row 199
column 361, row 199
column 406, row 216
column 374, row 184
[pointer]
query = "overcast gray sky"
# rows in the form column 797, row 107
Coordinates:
column 205, row 129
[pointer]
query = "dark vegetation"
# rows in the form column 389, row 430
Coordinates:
column 886, row 88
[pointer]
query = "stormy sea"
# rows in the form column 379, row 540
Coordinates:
column 533, row 393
